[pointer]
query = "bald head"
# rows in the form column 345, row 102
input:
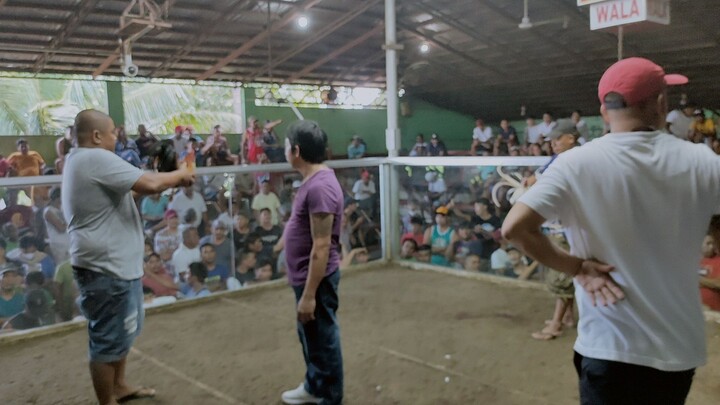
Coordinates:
column 92, row 128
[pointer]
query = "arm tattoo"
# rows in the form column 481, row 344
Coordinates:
column 321, row 225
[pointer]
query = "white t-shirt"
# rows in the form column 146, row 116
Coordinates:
column 437, row 186
column 482, row 135
column 533, row 134
column 182, row 258
column 544, row 128
column 181, row 203
column 499, row 259
column 641, row 202
column 363, row 191
column 679, row 123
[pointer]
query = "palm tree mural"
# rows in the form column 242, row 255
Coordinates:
column 161, row 107
column 46, row 106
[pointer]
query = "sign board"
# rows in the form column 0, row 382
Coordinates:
column 622, row 12
column 587, row 2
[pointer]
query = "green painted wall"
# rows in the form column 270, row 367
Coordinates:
column 454, row 129
column 116, row 109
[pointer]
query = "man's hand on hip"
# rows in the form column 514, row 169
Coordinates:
column 594, row 277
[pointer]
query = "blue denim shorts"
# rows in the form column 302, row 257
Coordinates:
column 114, row 311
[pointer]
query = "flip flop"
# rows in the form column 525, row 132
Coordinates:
column 543, row 336
column 140, row 393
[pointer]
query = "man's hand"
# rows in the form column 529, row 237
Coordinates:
column 186, row 177
column 306, row 309
column 594, row 278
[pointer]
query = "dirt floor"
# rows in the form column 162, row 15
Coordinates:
column 409, row 337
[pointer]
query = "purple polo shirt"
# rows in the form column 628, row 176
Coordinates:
column 321, row 193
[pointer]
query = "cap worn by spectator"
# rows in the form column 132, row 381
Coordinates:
column 179, row 128
column 442, row 210
column 10, row 268
column 434, row 136
column 635, row 80
column 171, row 214
column 563, row 127
column 698, row 113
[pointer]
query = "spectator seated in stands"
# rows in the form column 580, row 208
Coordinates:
column 217, row 274
column 188, row 252
column 241, row 230
column 436, row 188
column 472, row 263
column 18, row 215
column 436, row 147
column 33, row 259
column 439, row 237
column 36, row 281
column 581, row 127
column 358, row 255
column 423, row 254
column 463, row 245
column 155, row 277
column 499, row 260
column 532, row 132
column 546, row 126
column 195, row 281
column 144, row 141
column 188, row 199
column 702, row 130
column 263, row 272
column 126, row 148
column 244, row 270
column 485, row 223
column 356, row 148
column 215, row 143
column 482, row 139
column 710, row 274
column 417, row 233
column 168, row 239
column 350, row 233
column 56, row 228
column 269, row 234
column 152, row 209
column 179, row 141
column 25, row 162
column 223, row 247
column 266, row 199
column 12, row 300
column 408, row 248
column 420, row 148
column 520, row 267
column 37, row 311
column 679, row 121
column 364, row 193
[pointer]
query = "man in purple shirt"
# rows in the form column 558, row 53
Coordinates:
column 311, row 240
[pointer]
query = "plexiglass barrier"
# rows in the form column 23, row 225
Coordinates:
column 231, row 220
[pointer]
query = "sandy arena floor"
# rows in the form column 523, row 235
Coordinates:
column 409, row 337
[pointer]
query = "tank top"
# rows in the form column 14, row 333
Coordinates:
column 440, row 240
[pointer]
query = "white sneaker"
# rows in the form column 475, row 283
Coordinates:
column 299, row 396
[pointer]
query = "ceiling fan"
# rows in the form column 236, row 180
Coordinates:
column 526, row 24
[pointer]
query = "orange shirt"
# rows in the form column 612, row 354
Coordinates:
column 710, row 297
column 26, row 165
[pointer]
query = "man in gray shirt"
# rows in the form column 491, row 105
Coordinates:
column 106, row 248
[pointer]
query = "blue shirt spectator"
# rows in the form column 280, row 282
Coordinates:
column 356, row 149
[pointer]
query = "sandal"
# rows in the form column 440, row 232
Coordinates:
column 140, row 393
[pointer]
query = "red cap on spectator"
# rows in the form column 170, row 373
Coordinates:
column 636, row 80
column 179, row 128
column 171, row 214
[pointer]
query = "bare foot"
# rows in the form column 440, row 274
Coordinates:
column 125, row 394
column 549, row 332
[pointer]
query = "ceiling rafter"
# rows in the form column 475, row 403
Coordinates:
column 207, row 28
column 327, row 30
column 285, row 20
column 450, row 49
column 334, row 54
column 76, row 18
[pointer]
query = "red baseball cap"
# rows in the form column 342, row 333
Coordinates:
column 636, row 80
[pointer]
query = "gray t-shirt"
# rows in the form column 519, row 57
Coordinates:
column 103, row 222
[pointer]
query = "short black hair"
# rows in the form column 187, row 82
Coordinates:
column 243, row 253
column 147, row 258
column 264, row 262
column 579, row 112
column 27, row 241
column 35, row 278
column 417, row 219
column 198, row 270
column 252, row 238
column 207, row 244
column 265, row 209
column 310, row 139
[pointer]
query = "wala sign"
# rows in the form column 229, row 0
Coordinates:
column 621, row 12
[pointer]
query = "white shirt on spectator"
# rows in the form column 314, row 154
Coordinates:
column 437, row 186
column 544, row 128
column 269, row 201
column 363, row 191
column 606, row 195
column 584, row 132
column 499, row 259
column 533, row 134
column 679, row 123
column 181, row 203
column 182, row 258
column 482, row 135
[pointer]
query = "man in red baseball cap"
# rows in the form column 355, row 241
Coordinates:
column 635, row 205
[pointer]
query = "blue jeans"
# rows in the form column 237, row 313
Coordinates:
column 320, row 341
column 604, row 382
column 114, row 311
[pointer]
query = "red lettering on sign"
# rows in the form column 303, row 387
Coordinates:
column 616, row 11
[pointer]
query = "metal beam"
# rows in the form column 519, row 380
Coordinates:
column 334, row 54
column 106, row 63
column 334, row 26
column 258, row 38
column 452, row 50
column 76, row 18
column 207, row 28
